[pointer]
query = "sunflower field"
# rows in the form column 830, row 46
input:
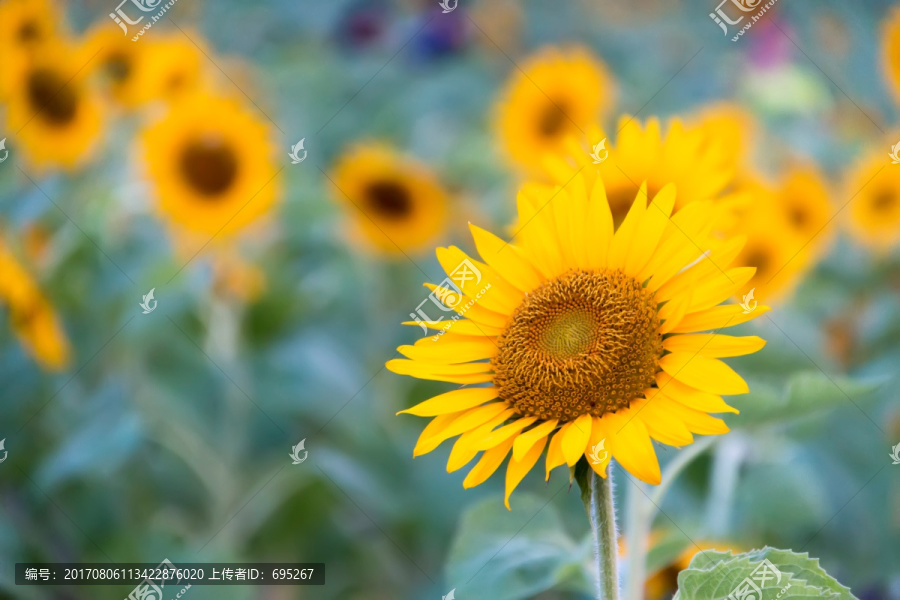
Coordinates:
column 475, row 299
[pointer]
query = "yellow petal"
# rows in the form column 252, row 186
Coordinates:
column 462, row 422
column 504, row 258
column 488, row 463
column 673, row 311
column 650, row 230
column 695, row 421
column 661, row 425
column 454, row 401
column 554, row 453
column 473, row 277
column 692, row 397
column 705, row 374
column 497, row 436
column 460, row 327
column 633, row 448
column 461, row 306
column 517, row 469
column 625, row 235
column 600, row 227
column 471, row 349
column 720, row 287
column 526, row 440
column 718, row 317
column 576, row 438
column 600, row 445
column 537, row 231
column 714, row 345
column 464, row 450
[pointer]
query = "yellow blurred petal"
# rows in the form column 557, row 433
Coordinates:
column 625, row 236
column 650, row 230
column 600, row 226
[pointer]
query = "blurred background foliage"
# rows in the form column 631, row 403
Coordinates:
column 166, row 435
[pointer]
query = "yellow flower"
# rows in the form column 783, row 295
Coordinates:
column 698, row 159
column 31, row 316
column 874, row 210
column 588, row 337
column 775, row 247
column 803, row 197
column 396, row 203
column 137, row 73
column 24, row 26
column 212, row 165
column 555, row 94
column 890, row 51
column 57, row 116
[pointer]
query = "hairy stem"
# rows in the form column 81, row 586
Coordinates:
column 597, row 494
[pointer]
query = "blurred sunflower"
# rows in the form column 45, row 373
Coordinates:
column 57, row 116
column 122, row 65
column 177, row 66
column 556, row 93
column 874, row 189
column 211, row 164
column 396, row 204
column 587, row 335
column 697, row 159
column 890, row 51
column 31, row 316
column 774, row 248
column 803, row 197
column 24, row 26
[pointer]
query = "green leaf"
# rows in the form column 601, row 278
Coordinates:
column 787, row 575
column 806, row 394
column 506, row 555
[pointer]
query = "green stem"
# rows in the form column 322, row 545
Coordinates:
column 597, row 494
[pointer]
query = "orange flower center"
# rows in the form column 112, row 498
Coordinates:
column 53, row 96
column 585, row 342
column 209, row 166
column 388, row 199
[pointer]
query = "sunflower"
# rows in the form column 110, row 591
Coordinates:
column 588, row 336
column 775, row 248
column 698, row 159
column 873, row 188
column 397, row 204
column 177, row 66
column 211, row 164
column 803, row 198
column 24, row 26
column 57, row 116
column 31, row 316
column 890, row 51
column 121, row 65
column 556, row 93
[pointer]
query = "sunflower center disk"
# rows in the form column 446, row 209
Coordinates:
column 585, row 342
column 210, row 166
column 53, row 96
column 389, row 199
